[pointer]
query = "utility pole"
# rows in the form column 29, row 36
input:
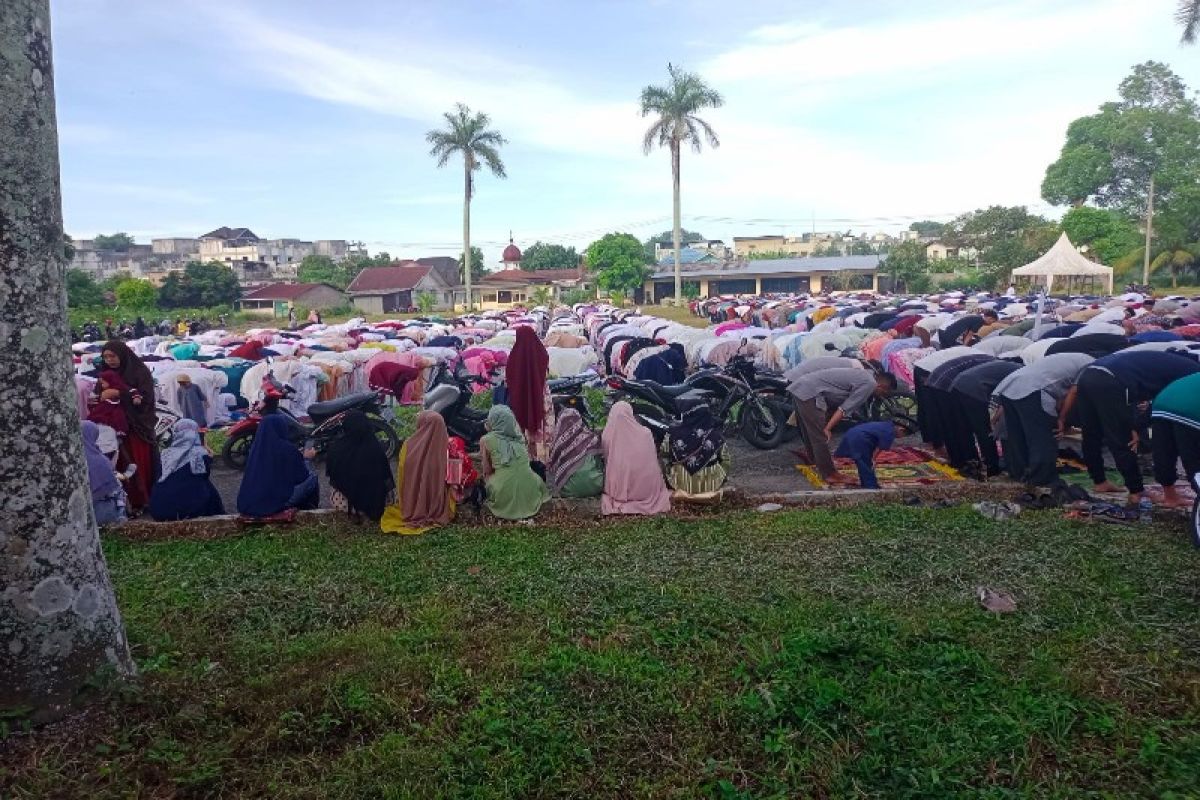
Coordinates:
column 1149, row 234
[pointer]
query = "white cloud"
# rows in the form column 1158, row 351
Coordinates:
column 793, row 57
column 148, row 193
column 397, row 79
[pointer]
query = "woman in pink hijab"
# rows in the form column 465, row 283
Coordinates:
column 633, row 481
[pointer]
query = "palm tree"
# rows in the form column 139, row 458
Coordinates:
column 1188, row 16
column 676, row 105
column 468, row 134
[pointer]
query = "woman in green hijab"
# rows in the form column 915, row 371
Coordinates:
column 514, row 491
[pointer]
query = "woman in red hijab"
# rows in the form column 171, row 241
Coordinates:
column 137, row 401
column 528, row 394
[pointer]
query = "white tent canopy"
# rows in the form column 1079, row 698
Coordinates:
column 1064, row 261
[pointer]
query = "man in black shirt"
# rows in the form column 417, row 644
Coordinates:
column 1107, row 393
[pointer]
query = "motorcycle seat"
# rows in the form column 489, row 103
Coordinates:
column 668, row 392
column 331, row 407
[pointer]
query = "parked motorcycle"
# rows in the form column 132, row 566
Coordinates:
column 450, row 395
column 324, row 426
column 731, row 391
column 568, row 393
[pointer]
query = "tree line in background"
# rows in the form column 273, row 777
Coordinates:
column 198, row 285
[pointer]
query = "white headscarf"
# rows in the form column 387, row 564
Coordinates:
column 185, row 449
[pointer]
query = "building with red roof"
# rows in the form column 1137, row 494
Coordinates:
column 394, row 288
column 275, row 299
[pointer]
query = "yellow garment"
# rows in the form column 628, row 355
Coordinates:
column 822, row 314
column 392, row 520
column 391, row 348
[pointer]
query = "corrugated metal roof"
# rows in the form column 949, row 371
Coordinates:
column 282, row 291
column 776, row 266
column 388, row 279
column 688, row 255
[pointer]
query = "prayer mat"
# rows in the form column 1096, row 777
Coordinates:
column 890, row 476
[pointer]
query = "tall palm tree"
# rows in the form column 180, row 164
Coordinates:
column 467, row 134
column 1188, row 16
column 676, row 105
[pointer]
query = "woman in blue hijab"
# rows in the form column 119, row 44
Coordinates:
column 184, row 491
column 277, row 476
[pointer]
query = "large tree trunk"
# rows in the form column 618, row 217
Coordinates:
column 676, row 232
column 467, row 229
column 59, row 624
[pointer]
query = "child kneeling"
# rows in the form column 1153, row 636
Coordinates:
column 862, row 442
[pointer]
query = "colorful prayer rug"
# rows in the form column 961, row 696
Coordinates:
column 909, row 475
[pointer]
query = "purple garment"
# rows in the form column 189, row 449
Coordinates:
column 101, row 477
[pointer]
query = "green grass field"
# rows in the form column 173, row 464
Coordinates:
column 825, row 653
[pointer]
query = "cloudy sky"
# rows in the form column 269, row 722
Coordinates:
column 306, row 118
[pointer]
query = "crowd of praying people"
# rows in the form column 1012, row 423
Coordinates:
column 998, row 383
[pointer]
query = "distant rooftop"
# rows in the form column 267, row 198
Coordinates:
column 774, row 266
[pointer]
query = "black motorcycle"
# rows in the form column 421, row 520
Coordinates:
column 450, row 394
column 324, row 427
column 731, row 391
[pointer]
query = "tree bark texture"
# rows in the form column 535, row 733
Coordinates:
column 59, row 623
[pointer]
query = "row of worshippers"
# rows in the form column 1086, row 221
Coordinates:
column 527, row 456
column 1005, row 416
column 1126, row 401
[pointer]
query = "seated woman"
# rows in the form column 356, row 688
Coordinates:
column 633, row 481
column 108, row 498
column 514, row 491
column 575, row 468
column 185, row 491
column 358, row 470
column 698, row 459
column 426, row 500
column 278, row 479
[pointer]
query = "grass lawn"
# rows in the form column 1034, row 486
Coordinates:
column 824, row 653
column 679, row 314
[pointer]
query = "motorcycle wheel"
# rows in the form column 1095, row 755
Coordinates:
column 237, row 450
column 783, row 409
column 760, row 426
column 389, row 440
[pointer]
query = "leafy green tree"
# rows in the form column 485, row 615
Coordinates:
column 549, row 256
column 478, row 268
column 1139, row 155
column 212, row 283
column 906, row 262
column 675, row 106
column 115, row 241
column 861, row 248
column 1002, row 237
column 619, row 261
column 136, row 293
column 426, row 301
column 199, row 285
column 468, row 135
column 541, row 296
column 82, row 290
column 321, row 269
column 665, row 239
column 1107, row 234
column 927, row 227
